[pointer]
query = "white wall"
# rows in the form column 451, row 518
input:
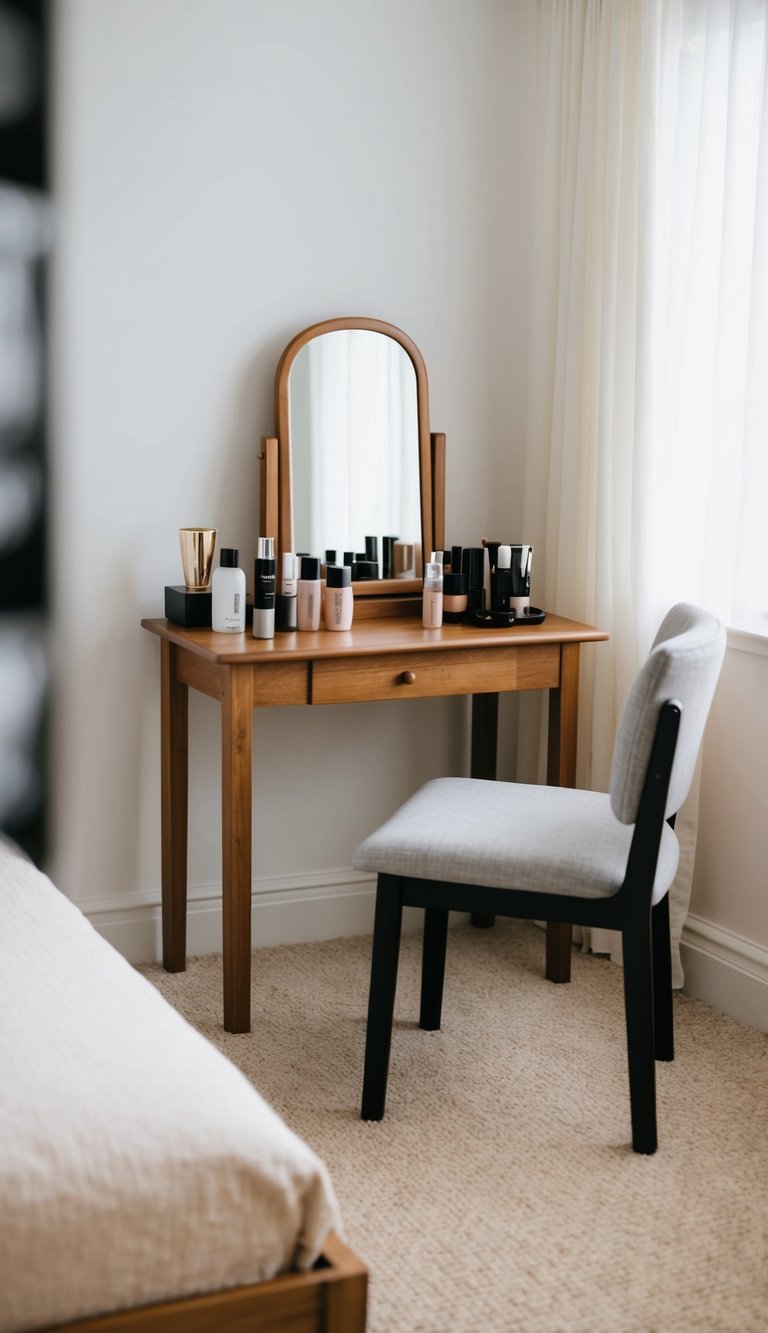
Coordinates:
column 225, row 175
column 725, row 951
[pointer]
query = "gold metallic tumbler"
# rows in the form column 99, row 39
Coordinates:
column 197, row 548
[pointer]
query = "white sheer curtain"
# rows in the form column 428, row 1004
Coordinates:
column 647, row 365
column 363, row 464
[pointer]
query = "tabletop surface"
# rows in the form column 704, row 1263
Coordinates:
column 367, row 638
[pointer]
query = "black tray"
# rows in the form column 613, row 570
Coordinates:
column 504, row 619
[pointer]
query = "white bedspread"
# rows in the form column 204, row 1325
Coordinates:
column 136, row 1163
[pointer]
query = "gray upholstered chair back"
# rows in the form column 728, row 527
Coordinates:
column 683, row 664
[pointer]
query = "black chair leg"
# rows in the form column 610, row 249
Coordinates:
column 638, row 1000
column 433, row 967
column 663, row 1023
column 381, row 1000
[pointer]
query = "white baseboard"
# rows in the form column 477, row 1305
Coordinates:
column 726, row 970
column 288, row 910
column 723, row 968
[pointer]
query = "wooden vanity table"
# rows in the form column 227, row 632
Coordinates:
column 384, row 658
column 369, row 466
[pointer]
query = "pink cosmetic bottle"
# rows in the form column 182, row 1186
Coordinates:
column 339, row 601
column 432, row 604
column 309, row 594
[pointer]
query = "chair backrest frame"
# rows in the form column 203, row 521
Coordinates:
column 646, row 838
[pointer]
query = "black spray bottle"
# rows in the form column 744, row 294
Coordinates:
column 264, row 589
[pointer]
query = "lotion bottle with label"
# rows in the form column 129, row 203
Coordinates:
column 308, row 593
column 339, row 600
column 228, row 594
column 432, row 604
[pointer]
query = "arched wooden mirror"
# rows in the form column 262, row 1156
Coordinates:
column 353, row 456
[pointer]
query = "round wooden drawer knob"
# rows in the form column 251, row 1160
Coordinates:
column 407, row 677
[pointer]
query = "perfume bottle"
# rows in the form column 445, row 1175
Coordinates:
column 432, row 604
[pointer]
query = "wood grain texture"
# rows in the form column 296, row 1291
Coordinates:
column 438, row 490
column 561, row 772
column 483, row 760
column 392, row 606
column 195, row 672
column 269, row 517
column 485, row 726
column 281, row 683
column 236, row 780
column 331, row 1298
column 563, row 721
column 429, row 675
column 367, row 637
column 174, row 767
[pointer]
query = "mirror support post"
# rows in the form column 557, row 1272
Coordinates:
column 437, row 441
column 268, row 498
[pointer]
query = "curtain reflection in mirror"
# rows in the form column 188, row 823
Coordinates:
column 354, row 435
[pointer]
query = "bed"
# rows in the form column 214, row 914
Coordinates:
column 144, row 1183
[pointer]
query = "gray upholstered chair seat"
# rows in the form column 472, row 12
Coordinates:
column 511, row 836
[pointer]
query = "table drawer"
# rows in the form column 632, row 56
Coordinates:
column 427, row 675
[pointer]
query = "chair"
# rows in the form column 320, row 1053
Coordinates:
column 557, row 854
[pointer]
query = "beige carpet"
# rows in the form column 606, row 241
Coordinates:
column 500, row 1192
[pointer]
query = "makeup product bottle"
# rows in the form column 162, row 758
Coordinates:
column 474, row 573
column 454, row 598
column 493, row 554
column 455, row 559
column 286, row 601
column 330, row 559
column 228, row 594
column 339, row 600
column 432, row 604
column 501, row 579
column 308, row 593
column 520, row 590
column 372, row 553
column 264, row 589
column 388, row 557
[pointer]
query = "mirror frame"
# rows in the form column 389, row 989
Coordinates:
column 277, row 463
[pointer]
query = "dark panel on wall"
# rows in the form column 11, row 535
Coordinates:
column 25, row 235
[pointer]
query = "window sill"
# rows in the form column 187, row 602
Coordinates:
column 748, row 641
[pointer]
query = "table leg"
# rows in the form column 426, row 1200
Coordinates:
column 173, row 805
column 485, row 731
column 561, row 772
column 236, row 822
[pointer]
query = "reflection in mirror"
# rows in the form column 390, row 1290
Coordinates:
column 354, row 443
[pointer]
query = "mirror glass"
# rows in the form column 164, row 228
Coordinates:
column 354, row 443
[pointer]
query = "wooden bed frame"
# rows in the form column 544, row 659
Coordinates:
column 330, row 1298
